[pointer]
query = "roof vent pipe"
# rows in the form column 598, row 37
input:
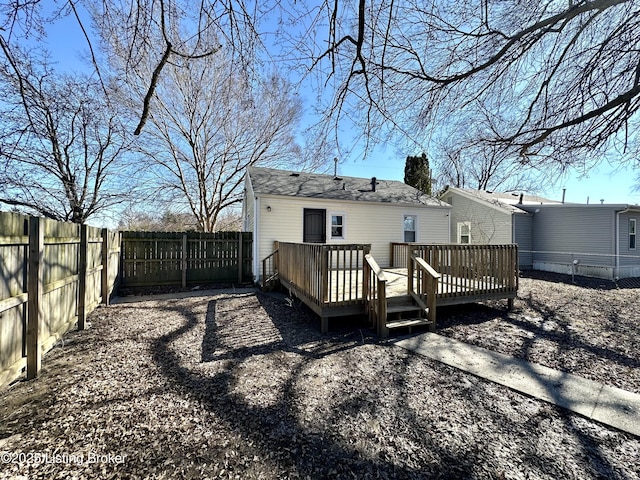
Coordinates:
column 335, row 167
column 564, row 190
column 520, row 199
column 373, row 184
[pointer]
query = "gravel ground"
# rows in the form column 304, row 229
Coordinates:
column 242, row 385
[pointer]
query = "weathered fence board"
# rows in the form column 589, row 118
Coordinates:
column 14, row 243
column 51, row 276
column 176, row 258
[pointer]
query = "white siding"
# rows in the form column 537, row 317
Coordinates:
column 488, row 225
column 377, row 224
column 248, row 206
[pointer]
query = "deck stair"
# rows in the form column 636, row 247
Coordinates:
column 270, row 275
column 403, row 312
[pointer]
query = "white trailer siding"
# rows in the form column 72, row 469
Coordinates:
column 281, row 218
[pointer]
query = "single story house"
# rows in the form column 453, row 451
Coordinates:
column 288, row 206
column 596, row 240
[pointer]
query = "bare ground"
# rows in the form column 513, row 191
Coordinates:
column 242, row 385
column 590, row 328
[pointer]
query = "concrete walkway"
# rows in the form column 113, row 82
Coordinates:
column 609, row 405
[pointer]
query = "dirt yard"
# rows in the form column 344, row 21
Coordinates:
column 243, row 385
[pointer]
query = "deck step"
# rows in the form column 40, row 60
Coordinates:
column 402, row 308
column 409, row 322
column 400, row 300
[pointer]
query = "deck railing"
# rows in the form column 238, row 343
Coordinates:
column 400, row 254
column 423, row 286
column 480, row 269
column 270, row 269
column 324, row 274
column 375, row 296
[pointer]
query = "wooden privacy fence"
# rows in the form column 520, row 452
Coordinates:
column 52, row 275
column 177, row 258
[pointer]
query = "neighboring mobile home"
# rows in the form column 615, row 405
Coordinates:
column 287, row 206
column 481, row 218
column 596, row 240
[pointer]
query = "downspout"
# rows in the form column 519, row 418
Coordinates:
column 617, row 249
column 256, row 238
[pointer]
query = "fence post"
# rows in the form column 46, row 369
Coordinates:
column 104, row 280
column 240, row 262
column 184, row 260
column 35, row 284
column 82, row 277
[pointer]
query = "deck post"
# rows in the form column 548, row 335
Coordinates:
column 324, row 325
column 325, row 276
column 409, row 274
column 432, row 302
column 383, row 331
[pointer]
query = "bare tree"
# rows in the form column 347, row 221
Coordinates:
column 60, row 145
column 561, row 80
column 208, row 121
column 464, row 161
column 168, row 221
column 151, row 32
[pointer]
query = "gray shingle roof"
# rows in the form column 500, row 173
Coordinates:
column 268, row 181
column 507, row 201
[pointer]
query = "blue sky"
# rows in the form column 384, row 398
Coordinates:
column 614, row 184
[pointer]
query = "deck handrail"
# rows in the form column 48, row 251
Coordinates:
column 425, row 287
column 375, row 295
column 269, row 268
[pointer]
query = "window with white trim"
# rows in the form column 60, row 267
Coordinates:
column 632, row 234
column 338, row 226
column 464, row 232
column 410, row 222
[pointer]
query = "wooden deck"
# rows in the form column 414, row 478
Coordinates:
column 449, row 287
column 339, row 280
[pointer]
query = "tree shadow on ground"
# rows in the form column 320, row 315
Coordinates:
column 540, row 323
column 309, row 450
column 297, row 450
